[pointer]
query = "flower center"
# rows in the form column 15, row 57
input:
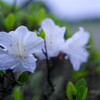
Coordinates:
column 20, row 49
column 20, row 56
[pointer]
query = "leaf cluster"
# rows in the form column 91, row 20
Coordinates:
column 77, row 91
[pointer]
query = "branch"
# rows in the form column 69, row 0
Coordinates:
column 48, row 69
column 8, row 77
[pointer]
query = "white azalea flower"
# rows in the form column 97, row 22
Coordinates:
column 19, row 45
column 75, row 48
column 54, row 38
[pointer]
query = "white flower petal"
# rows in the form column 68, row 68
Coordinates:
column 75, row 48
column 5, row 40
column 20, row 34
column 21, row 31
column 34, row 44
column 68, row 46
column 27, row 64
column 48, row 25
column 75, row 62
column 61, row 32
column 53, row 52
column 81, row 37
column 6, row 61
column 77, row 59
column 82, row 54
column 40, row 55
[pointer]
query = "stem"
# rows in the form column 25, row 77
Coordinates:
column 8, row 77
column 12, row 81
column 48, row 69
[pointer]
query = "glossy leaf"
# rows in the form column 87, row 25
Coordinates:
column 41, row 33
column 81, row 89
column 23, row 77
column 79, row 83
column 69, row 91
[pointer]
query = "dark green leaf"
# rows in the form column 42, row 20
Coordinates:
column 81, row 93
column 79, row 83
column 1, row 72
column 84, row 94
column 81, row 89
column 23, row 77
column 19, row 83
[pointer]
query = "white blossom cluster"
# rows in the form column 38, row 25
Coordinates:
column 19, row 47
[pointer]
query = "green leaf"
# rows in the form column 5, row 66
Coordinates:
column 41, row 13
column 17, row 95
column 19, row 83
column 81, row 93
column 41, row 33
column 69, row 90
column 79, row 83
column 23, row 77
column 81, row 89
column 9, row 21
column 84, row 94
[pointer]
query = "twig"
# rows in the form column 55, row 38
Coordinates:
column 48, row 69
column 8, row 77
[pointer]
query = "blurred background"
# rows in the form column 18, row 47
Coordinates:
column 84, row 13
column 69, row 13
